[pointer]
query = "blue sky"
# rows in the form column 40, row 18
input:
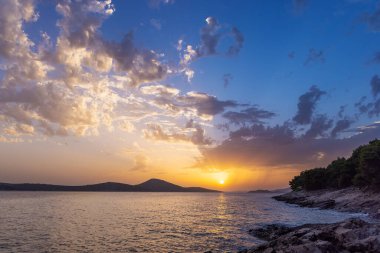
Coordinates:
column 249, row 92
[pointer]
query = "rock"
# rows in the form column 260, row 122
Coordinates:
column 352, row 235
column 348, row 199
column 327, row 204
column 269, row 232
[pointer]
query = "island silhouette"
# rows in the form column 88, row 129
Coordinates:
column 152, row 185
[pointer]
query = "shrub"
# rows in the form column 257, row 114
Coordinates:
column 362, row 169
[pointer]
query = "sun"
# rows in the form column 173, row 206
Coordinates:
column 221, row 181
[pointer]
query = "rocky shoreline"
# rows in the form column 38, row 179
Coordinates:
column 345, row 200
column 352, row 235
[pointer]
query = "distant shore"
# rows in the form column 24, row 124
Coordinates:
column 352, row 235
column 152, row 185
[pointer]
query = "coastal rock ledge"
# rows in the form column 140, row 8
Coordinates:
column 346, row 200
column 352, row 235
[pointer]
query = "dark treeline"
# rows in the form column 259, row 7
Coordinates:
column 362, row 169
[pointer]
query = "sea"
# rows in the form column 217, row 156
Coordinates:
column 143, row 222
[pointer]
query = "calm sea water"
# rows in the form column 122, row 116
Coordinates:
column 142, row 222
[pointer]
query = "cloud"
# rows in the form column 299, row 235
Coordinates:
column 239, row 41
column 192, row 132
column 191, row 104
column 141, row 162
column 314, row 56
column 211, row 36
column 160, row 90
column 226, row 80
column 80, row 43
column 205, row 104
column 213, row 33
column 70, row 85
column 373, row 19
column 376, row 58
column 372, row 107
column 362, row 106
column 277, row 147
column 319, row 125
column 127, row 126
column 141, row 65
column 375, row 109
column 375, row 85
column 340, row 126
column 156, row 23
column 158, row 3
column 342, row 108
column 306, row 105
column 198, row 136
column 247, row 116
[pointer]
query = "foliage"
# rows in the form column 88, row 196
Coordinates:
column 362, row 169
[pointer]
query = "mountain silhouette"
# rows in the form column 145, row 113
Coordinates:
column 152, row 185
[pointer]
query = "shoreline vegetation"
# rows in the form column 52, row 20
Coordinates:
column 152, row 185
column 347, row 185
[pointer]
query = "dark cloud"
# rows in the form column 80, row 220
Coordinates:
column 251, row 115
column 363, row 106
column 210, row 37
column 239, row 41
column 373, row 19
column 205, row 104
column 319, row 125
column 226, row 80
column 202, row 104
column 140, row 64
column 199, row 136
column 306, row 105
column 280, row 134
column 278, row 147
column 213, row 33
column 340, row 126
column 341, row 111
column 375, row 85
column 314, row 55
column 371, row 108
column 375, row 109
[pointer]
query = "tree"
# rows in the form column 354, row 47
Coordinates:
column 369, row 164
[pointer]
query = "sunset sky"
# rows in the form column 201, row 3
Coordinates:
column 194, row 92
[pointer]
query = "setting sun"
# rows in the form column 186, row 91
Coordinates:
column 221, row 181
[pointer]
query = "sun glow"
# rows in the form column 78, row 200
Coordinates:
column 220, row 177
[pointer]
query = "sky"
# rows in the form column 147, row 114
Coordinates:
column 229, row 95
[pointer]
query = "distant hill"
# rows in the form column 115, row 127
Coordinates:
column 152, row 185
column 160, row 185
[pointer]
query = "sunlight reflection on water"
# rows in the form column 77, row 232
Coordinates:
column 142, row 222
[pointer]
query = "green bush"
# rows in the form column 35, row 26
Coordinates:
column 369, row 164
column 362, row 169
